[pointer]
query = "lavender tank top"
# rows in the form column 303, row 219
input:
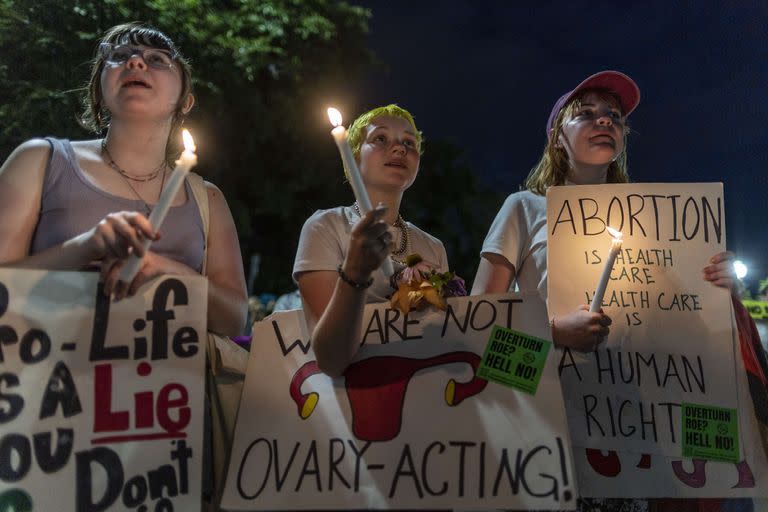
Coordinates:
column 72, row 205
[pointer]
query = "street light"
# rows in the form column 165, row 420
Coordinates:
column 740, row 268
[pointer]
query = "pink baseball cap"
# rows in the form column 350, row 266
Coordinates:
column 614, row 82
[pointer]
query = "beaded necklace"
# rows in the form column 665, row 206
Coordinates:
column 401, row 252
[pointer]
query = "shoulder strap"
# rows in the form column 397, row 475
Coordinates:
column 201, row 198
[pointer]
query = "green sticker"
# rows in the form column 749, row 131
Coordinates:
column 514, row 359
column 710, row 433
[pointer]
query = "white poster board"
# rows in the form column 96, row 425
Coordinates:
column 671, row 340
column 631, row 475
column 408, row 426
column 101, row 405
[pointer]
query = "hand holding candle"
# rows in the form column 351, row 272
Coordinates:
column 597, row 299
column 358, row 187
column 184, row 164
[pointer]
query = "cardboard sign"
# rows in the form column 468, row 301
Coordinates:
column 612, row 474
column 671, row 339
column 409, row 425
column 101, row 405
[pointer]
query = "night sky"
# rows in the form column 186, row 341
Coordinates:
column 485, row 74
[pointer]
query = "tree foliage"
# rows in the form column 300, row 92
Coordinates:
column 263, row 72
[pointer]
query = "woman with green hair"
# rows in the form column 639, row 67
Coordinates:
column 340, row 251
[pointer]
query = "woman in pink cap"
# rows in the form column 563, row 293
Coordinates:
column 586, row 145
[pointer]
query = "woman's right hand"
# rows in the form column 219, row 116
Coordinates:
column 580, row 330
column 370, row 243
column 117, row 236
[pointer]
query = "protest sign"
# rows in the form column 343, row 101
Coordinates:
column 101, row 404
column 671, row 339
column 612, row 474
column 409, row 425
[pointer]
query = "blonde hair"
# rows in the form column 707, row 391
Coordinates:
column 357, row 128
column 553, row 166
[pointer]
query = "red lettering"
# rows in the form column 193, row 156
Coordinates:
column 104, row 419
column 144, row 414
column 171, row 409
column 165, row 403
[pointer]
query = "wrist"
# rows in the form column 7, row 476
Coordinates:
column 82, row 248
column 355, row 272
column 356, row 282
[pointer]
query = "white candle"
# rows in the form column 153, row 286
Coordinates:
column 597, row 299
column 358, row 187
column 184, row 164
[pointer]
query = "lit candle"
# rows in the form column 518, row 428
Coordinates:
column 597, row 300
column 184, row 164
column 358, row 187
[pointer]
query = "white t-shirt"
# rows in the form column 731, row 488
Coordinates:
column 324, row 243
column 519, row 233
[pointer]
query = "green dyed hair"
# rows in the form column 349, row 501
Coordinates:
column 553, row 167
column 357, row 128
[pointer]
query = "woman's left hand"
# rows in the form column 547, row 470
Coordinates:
column 721, row 273
column 152, row 265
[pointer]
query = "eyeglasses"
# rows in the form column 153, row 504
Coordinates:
column 119, row 54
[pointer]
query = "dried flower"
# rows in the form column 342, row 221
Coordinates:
column 418, row 285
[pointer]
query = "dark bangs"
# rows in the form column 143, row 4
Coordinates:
column 140, row 35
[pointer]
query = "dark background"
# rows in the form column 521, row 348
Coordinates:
column 480, row 76
column 485, row 74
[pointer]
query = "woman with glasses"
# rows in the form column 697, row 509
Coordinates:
column 72, row 205
column 340, row 252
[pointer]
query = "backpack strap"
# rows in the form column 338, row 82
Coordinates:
column 197, row 185
column 224, row 375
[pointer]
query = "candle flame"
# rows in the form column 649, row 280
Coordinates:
column 189, row 142
column 614, row 233
column 335, row 116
